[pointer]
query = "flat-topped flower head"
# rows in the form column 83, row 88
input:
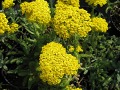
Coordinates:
column 96, row 2
column 99, row 24
column 55, row 63
column 69, row 20
column 7, row 3
column 36, row 11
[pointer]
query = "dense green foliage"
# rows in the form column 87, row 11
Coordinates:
column 20, row 51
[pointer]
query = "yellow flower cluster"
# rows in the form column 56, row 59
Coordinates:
column 3, row 23
column 55, row 63
column 13, row 27
column 100, row 24
column 69, row 20
column 78, row 48
column 74, row 3
column 96, row 2
column 71, row 88
column 7, row 3
column 36, row 11
column 71, row 48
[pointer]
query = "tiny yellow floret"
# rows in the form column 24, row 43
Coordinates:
column 71, row 48
column 79, row 48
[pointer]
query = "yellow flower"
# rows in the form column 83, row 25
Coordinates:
column 7, row 3
column 99, row 24
column 72, row 88
column 74, row 3
column 36, row 11
column 13, row 28
column 96, row 2
column 3, row 23
column 55, row 63
column 79, row 48
column 69, row 20
column 70, row 65
column 71, row 48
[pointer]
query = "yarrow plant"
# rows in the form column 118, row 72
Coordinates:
column 58, row 45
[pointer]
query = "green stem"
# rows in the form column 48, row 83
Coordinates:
column 92, row 12
column 51, row 7
column 51, row 3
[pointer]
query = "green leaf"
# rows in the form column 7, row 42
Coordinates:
column 31, row 81
column 10, row 71
column 16, row 60
column 5, row 67
column 23, row 72
column 65, row 81
column 107, row 81
column 1, row 60
column 85, row 72
column 118, row 77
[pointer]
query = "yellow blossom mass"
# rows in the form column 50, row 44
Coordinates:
column 79, row 48
column 69, row 20
column 7, row 3
column 13, row 27
column 71, row 48
column 36, row 11
column 99, row 24
column 96, row 2
column 3, row 23
column 74, row 3
column 55, row 63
